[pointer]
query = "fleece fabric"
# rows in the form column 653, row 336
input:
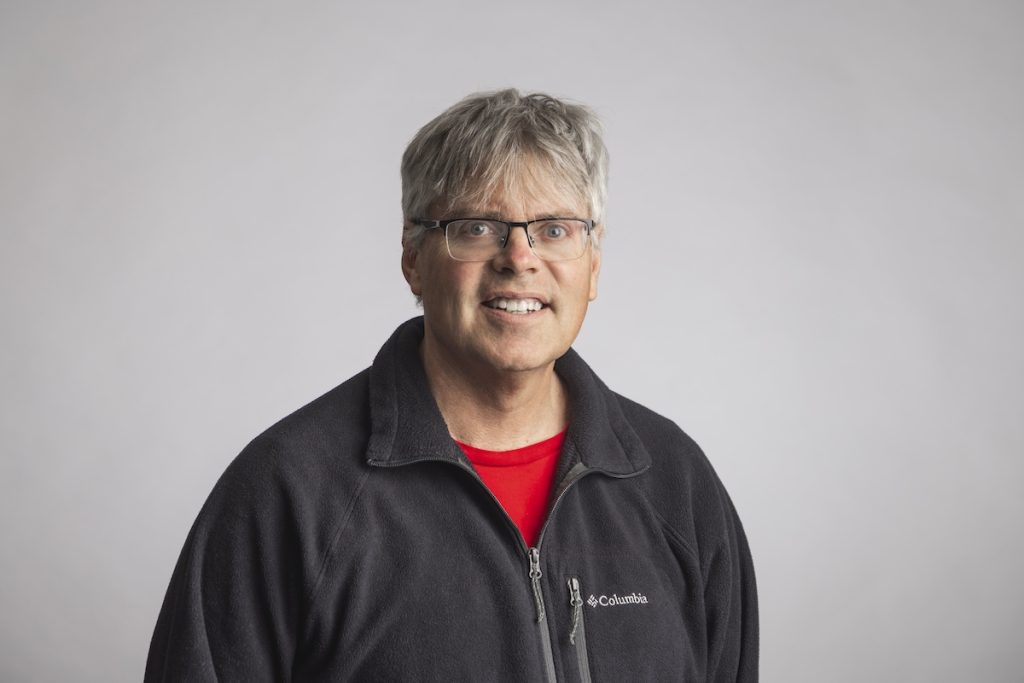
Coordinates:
column 353, row 541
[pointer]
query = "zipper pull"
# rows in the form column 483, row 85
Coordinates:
column 535, row 580
column 577, row 607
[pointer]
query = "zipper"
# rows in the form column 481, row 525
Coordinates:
column 578, row 634
column 576, row 602
column 535, row 580
column 578, row 471
column 545, row 635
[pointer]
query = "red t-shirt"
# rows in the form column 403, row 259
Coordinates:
column 521, row 480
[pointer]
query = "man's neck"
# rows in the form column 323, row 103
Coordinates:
column 497, row 410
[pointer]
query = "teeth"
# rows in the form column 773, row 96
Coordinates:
column 516, row 305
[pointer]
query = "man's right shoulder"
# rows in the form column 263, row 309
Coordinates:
column 321, row 443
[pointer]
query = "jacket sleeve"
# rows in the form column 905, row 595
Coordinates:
column 730, row 598
column 232, row 608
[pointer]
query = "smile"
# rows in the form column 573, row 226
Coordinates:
column 518, row 306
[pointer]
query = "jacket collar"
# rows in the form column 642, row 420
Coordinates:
column 407, row 427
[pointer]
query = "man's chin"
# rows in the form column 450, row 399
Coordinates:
column 530, row 361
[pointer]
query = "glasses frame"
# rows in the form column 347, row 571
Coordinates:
column 443, row 224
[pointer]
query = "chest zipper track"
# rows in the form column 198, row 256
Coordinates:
column 578, row 634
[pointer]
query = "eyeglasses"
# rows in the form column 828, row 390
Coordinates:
column 482, row 239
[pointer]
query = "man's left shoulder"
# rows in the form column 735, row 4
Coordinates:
column 679, row 468
column 661, row 436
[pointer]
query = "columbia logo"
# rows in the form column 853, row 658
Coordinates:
column 616, row 599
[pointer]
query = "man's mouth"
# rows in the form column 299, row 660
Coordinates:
column 518, row 306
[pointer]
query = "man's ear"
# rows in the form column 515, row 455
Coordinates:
column 410, row 268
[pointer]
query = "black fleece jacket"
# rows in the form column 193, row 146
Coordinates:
column 352, row 541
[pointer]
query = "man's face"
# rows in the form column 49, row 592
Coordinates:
column 464, row 328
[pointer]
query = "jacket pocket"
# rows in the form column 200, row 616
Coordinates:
column 578, row 634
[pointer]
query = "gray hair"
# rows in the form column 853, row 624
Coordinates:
column 480, row 145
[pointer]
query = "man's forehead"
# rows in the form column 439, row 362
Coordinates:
column 520, row 203
column 510, row 212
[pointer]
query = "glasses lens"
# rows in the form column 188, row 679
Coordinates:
column 474, row 239
column 559, row 239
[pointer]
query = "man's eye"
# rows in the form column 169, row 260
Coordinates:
column 475, row 229
column 554, row 231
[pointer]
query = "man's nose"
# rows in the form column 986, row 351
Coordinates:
column 518, row 251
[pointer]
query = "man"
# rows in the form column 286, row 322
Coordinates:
column 477, row 505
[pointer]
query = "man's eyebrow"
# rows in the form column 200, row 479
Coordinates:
column 460, row 211
column 491, row 215
column 560, row 213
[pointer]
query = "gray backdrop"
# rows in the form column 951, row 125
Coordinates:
column 814, row 265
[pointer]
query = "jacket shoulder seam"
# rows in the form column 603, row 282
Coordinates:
column 671, row 530
column 330, row 551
